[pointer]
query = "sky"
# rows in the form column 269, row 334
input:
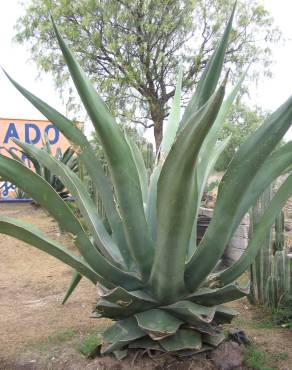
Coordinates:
column 269, row 93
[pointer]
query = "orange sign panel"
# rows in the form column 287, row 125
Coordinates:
column 29, row 131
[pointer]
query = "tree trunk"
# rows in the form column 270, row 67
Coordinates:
column 158, row 133
column 157, row 111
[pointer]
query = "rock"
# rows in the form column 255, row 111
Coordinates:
column 228, row 356
column 239, row 336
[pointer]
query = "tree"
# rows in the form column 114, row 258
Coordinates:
column 243, row 121
column 131, row 48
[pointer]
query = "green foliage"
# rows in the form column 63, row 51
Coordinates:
column 154, row 281
column 241, row 123
column 257, row 359
column 131, row 49
column 283, row 314
column 55, row 339
column 89, row 344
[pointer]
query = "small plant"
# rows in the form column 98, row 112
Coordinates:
column 257, row 359
column 283, row 314
column 89, row 344
column 154, row 280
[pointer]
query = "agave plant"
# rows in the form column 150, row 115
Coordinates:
column 160, row 288
column 69, row 159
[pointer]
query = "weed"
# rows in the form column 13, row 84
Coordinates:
column 264, row 324
column 283, row 315
column 280, row 356
column 89, row 343
column 56, row 338
column 257, row 359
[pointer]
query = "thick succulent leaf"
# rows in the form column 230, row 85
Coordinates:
column 140, row 165
column 201, row 177
column 210, row 76
column 67, row 156
column 158, row 323
column 105, row 191
column 119, row 302
column 13, row 155
column 224, row 315
column 209, row 155
column 136, row 299
column 146, row 343
column 40, row 191
column 212, row 297
column 46, row 196
column 259, row 234
column 213, row 340
column 193, row 352
column 76, row 277
column 111, row 310
column 121, row 164
column 175, row 201
column 104, row 267
column 91, row 162
column 173, row 118
column 182, row 340
column 151, row 210
column 120, row 334
column 36, row 238
column 276, row 164
column 192, row 313
column 236, row 182
column 204, row 328
column 212, row 137
column 83, row 200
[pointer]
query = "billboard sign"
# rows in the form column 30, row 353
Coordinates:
column 29, row 131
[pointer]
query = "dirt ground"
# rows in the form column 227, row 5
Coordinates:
column 37, row 332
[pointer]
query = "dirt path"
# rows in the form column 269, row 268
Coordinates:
column 32, row 285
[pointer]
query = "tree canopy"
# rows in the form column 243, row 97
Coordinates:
column 131, row 48
column 242, row 122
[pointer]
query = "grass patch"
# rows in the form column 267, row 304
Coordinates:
column 280, row 356
column 55, row 339
column 263, row 324
column 89, row 343
column 257, row 359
